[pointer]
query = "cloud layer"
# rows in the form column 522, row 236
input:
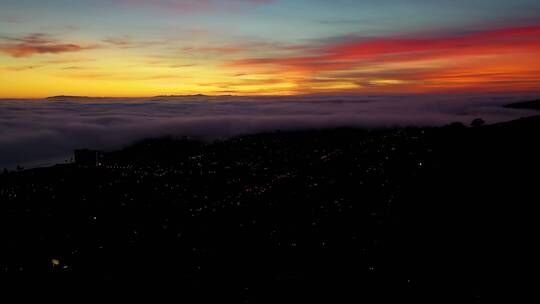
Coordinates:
column 44, row 131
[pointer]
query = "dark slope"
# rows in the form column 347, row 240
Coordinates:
column 434, row 215
column 533, row 105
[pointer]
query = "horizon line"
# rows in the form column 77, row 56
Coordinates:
column 271, row 95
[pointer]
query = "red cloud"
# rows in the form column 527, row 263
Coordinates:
column 502, row 59
column 351, row 54
column 37, row 44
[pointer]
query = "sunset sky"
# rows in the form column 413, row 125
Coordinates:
column 267, row 47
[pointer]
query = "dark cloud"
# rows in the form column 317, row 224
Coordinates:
column 127, row 42
column 10, row 19
column 23, row 68
column 192, row 6
column 33, row 131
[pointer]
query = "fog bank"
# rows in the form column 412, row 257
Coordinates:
column 34, row 132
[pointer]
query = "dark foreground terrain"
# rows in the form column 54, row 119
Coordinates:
column 430, row 214
column 533, row 105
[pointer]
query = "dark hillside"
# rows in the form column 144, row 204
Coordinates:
column 430, row 214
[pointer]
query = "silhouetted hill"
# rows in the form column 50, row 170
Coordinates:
column 67, row 97
column 338, row 215
column 166, row 96
column 534, row 105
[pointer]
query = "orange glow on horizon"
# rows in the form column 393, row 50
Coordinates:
column 496, row 61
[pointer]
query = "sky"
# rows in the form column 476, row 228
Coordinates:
column 137, row 48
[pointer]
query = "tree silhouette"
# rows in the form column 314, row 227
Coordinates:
column 478, row 122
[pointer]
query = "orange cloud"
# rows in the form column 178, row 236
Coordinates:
column 37, row 44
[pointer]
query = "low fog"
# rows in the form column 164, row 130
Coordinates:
column 44, row 132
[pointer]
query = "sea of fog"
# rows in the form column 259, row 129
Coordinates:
column 43, row 132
